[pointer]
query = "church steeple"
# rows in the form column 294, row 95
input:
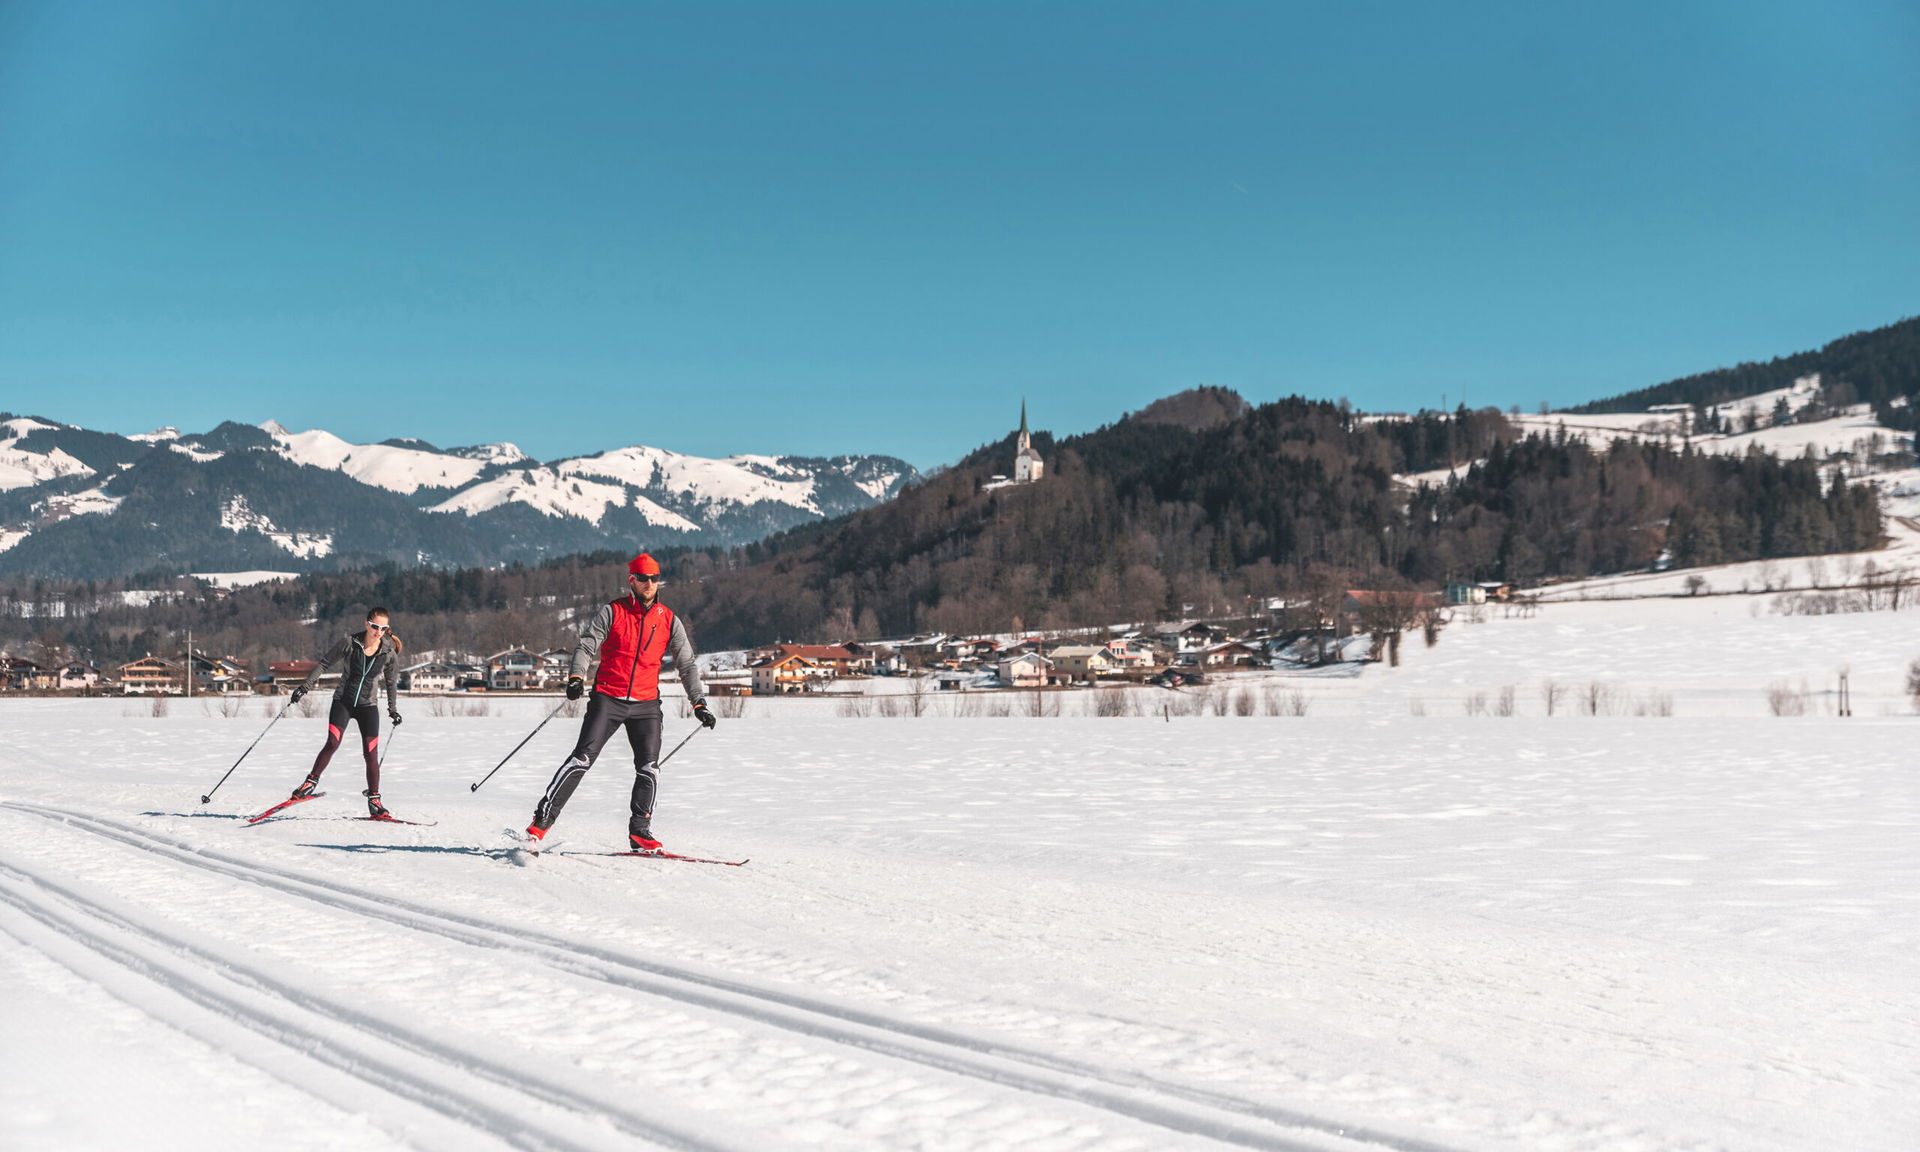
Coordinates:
column 1027, row 465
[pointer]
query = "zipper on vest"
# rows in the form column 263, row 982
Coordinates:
column 639, row 644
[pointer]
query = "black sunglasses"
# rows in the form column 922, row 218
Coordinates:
column 645, row 578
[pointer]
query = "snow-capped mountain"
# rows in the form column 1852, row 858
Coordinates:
column 79, row 503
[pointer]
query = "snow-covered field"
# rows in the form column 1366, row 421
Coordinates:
column 1386, row 924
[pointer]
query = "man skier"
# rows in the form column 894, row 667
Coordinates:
column 631, row 636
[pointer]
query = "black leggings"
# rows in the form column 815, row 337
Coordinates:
column 641, row 719
column 368, row 717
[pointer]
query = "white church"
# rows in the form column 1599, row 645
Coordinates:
column 1027, row 465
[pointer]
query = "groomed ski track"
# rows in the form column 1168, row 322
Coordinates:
column 467, row 1095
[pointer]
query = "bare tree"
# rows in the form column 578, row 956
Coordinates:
column 1387, row 613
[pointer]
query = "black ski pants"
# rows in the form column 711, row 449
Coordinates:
column 641, row 719
column 368, row 717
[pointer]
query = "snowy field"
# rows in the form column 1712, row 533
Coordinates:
column 1386, row 924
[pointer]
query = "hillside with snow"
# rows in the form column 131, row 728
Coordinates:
column 1789, row 423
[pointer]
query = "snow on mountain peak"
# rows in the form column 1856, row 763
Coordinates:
column 697, row 477
column 404, row 470
column 22, row 469
column 551, row 494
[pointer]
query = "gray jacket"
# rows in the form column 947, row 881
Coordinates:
column 361, row 675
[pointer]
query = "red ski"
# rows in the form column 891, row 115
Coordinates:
column 288, row 803
column 663, row 854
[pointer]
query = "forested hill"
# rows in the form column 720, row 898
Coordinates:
column 1880, row 367
column 1147, row 520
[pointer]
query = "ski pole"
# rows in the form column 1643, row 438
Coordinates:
column 250, row 747
column 388, row 746
column 697, row 729
column 517, row 747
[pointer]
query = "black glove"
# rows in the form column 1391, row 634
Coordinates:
column 393, row 714
column 575, row 686
column 703, row 714
column 294, row 697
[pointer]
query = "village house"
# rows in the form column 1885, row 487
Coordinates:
column 220, row 674
column 829, row 659
column 287, row 675
column 1025, row 670
column 877, row 659
column 553, row 667
column 969, row 651
column 151, row 674
column 1080, row 661
column 512, row 670
column 1193, row 638
column 80, row 676
column 918, row 650
column 431, row 677
column 1129, row 653
column 468, row 677
column 784, row 674
column 17, row 673
column 1233, row 654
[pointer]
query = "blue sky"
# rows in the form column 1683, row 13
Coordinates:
column 835, row 227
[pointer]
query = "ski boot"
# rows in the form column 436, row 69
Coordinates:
column 375, row 809
column 305, row 789
column 641, row 839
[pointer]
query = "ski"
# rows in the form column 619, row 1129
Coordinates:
column 663, row 854
column 396, row 820
column 288, row 803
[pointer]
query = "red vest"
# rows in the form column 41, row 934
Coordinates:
column 631, row 655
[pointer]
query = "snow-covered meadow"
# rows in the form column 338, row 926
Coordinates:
column 1398, row 921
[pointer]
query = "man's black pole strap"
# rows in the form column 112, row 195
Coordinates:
column 250, row 748
column 517, row 747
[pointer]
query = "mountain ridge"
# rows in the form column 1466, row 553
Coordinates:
column 79, row 503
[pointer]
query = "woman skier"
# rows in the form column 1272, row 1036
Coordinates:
column 367, row 659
